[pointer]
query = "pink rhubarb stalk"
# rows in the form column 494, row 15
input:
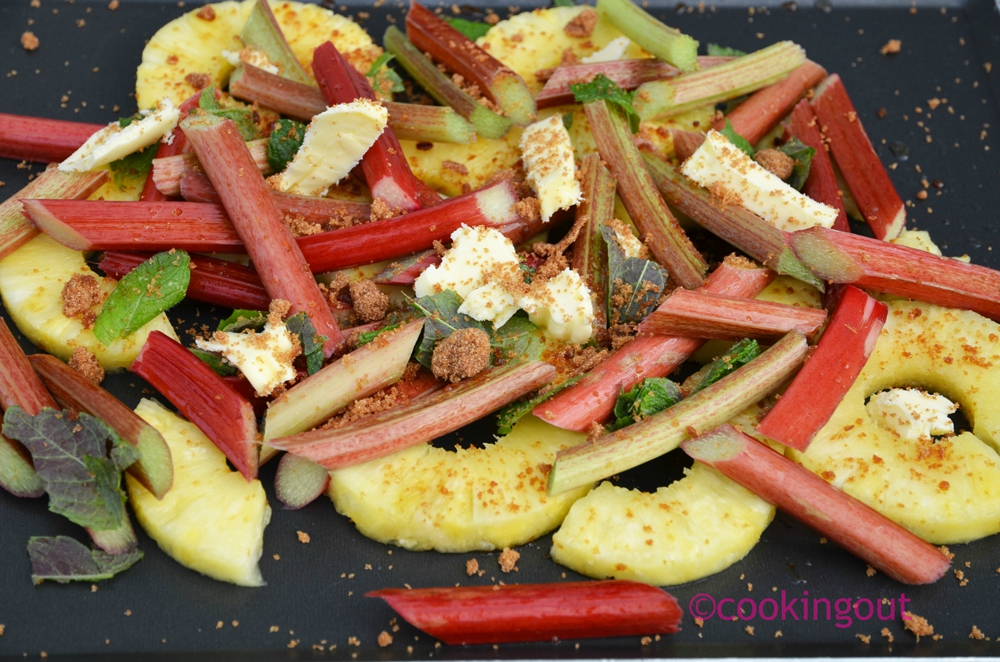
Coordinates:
column 168, row 171
column 821, row 185
column 590, row 253
column 38, row 139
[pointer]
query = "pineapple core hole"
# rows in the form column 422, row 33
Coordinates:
column 657, row 473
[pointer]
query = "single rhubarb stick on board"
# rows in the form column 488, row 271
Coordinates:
column 593, row 397
column 590, row 253
column 168, row 171
column 419, row 421
column 664, row 42
column 260, row 224
column 462, row 56
column 821, row 185
column 841, row 257
column 703, row 315
column 298, row 482
column 863, row 171
column 814, row 394
column 660, row 230
column 154, row 468
column 856, row 527
column 384, row 164
column 535, row 612
column 203, row 397
column 37, row 139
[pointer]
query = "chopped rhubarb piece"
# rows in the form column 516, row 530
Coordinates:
column 261, row 32
column 150, row 193
column 685, row 143
column 863, row 171
column 38, row 139
column 438, row 124
column 741, row 228
column 841, row 353
column 660, row 230
column 298, row 482
column 535, row 612
column 154, row 468
column 702, row 315
column 257, row 219
column 419, row 421
column 590, row 254
column 384, row 164
column 168, row 171
column 666, row 98
column 626, row 74
column 841, row 257
column 203, row 397
column 405, row 270
column 856, row 527
column 695, row 415
column 760, row 113
column 821, row 185
column 593, row 397
column 663, row 41
column 15, row 229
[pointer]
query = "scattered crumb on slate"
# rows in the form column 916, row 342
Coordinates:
column 508, row 559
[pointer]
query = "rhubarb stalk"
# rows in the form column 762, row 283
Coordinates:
column 261, row 32
column 821, row 185
column 168, row 171
column 298, row 482
column 38, row 139
column 856, row 527
column 590, row 255
column 664, row 42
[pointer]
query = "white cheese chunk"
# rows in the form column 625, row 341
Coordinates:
column 114, row 141
column 264, row 358
column 561, row 307
column 252, row 57
column 729, row 174
column 334, row 143
column 628, row 242
column 911, row 413
column 548, row 158
column 616, row 49
column 477, row 255
column 490, row 303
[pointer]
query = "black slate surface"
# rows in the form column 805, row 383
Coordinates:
column 158, row 610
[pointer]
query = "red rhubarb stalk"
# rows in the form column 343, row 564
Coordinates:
column 841, row 257
column 203, row 397
column 168, row 171
column 260, row 224
column 154, row 468
column 685, row 143
column 535, row 612
column 702, row 315
column 863, row 171
column 406, row 270
column 38, row 139
column 593, row 397
column 590, row 253
column 813, row 396
column 420, row 421
column 821, row 185
column 856, row 527
column 177, row 145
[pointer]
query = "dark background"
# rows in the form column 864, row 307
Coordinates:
column 314, row 593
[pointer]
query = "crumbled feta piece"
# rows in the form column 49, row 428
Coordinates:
column 114, row 141
column 477, row 255
column 561, row 307
column 252, row 57
column 334, row 143
column 548, row 159
column 264, row 358
column 732, row 176
column 616, row 49
column 919, row 239
column 912, row 414
column 490, row 303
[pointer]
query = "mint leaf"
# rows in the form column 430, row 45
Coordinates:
column 517, row 340
column 568, row 120
column 724, row 51
column 515, row 411
column 63, row 559
column 143, row 293
column 634, row 285
column 286, row 139
column 738, row 356
column 242, row 117
column 215, row 362
column 382, row 77
column 368, row 336
column 443, row 319
column 471, row 29
column 802, row 155
column 312, row 342
column 242, row 319
column 563, row 3
column 135, row 166
column 739, row 141
column 603, row 88
column 648, row 397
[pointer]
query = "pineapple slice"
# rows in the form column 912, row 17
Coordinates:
column 31, row 283
column 212, row 520
column 452, row 169
column 468, row 500
column 946, row 491
column 193, row 45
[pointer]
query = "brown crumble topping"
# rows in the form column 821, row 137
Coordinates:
column 85, row 363
column 918, row 625
column 865, row 639
column 463, row 354
column 508, row 559
column 353, row 641
column 960, row 576
column 977, row 634
column 749, row 630
column 776, row 162
column 891, row 47
column 699, row 622
column 645, row 641
column 198, row 81
column 206, row 13
column 303, row 537
column 529, row 209
column 381, row 211
column 870, row 571
column 515, row 177
column 370, row 303
column 384, row 639
column 888, row 635
column 373, row 404
column 113, row 5
column 300, row 227
column 454, row 167
column 583, row 25
column 29, row 41
column 621, row 335
column 596, row 431
column 777, row 634
column 81, row 293
column 944, row 550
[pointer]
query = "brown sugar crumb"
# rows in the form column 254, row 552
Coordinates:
column 777, row 634
column 776, row 162
column 595, row 431
column 206, row 13
column 645, row 641
column 454, row 166
column 976, row 634
column 300, row 227
column 370, row 303
column 472, row 567
column 85, row 363
column 918, row 625
column 113, row 5
column 362, row 407
column 870, row 571
column 944, row 550
column 749, row 630
column 2, row 628
column 79, row 295
column 960, row 576
column 529, row 209
column 463, row 354
column 303, row 537
column 699, row 622
column 353, row 641
column 384, row 639
column 583, row 25
column 29, row 41
column 198, row 81
column 891, row 47
column 865, row 639
column 888, row 635
column 508, row 559
column 381, row 210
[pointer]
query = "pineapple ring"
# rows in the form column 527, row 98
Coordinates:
column 191, row 45
column 472, row 499
column 947, row 491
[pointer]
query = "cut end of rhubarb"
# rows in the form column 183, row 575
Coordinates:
column 299, row 481
column 498, row 204
column 118, row 540
column 155, row 468
column 517, row 102
column 47, row 222
column 718, row 445
column 822, row 257
column 17, row 476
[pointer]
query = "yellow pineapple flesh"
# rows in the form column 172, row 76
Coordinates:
column 212, row 520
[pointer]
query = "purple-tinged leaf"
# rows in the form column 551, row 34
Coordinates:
column 63, row 559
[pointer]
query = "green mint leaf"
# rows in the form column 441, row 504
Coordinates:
column 634, row 285
column 517, row 340
column 286, row 139
column 443, row 319
column 312, row 342
column 739, row 141
column 738, row 356
column 515, row 411
column 803, row 156
column 724, row 51
column 71, row 458
column 242, row 319
column 215, row 362
column 368, row 336
column 648, row 397
column 563, row 3
column 133, row 167
column 471, row 29
column 603, row 88
column 63, row 559
column 154, row 286
column 207, row 99
column 382, row 77
column 241, row 116
column 380, row 62
column 568, row 121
